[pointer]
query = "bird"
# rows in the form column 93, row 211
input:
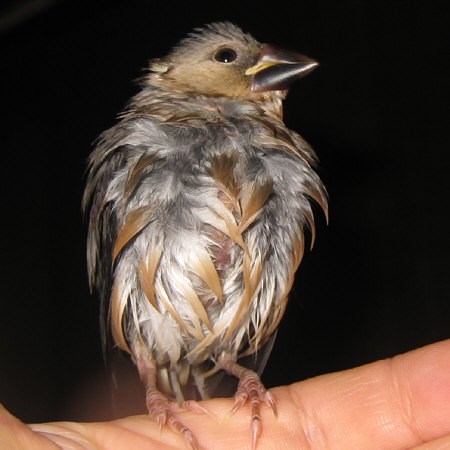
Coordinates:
column 198, row 201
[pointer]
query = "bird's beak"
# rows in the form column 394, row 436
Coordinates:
column 276, row 69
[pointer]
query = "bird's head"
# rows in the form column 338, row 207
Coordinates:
column 222, row 60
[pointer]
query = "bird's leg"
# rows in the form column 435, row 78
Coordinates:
column 250, row 389
column 161, row 409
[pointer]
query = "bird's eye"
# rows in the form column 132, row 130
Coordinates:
column 225, row 55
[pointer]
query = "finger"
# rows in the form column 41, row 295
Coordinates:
column 442, row 443
column 110, row 435
column 16, row 435
column 393, row 404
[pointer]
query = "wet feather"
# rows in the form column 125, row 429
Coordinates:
column 198, row 201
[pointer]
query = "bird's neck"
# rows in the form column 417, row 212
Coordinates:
column 167, row 104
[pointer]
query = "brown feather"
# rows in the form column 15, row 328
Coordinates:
column 231, row 227
column 147, row 275
column 222, row 170
column 253, row 199
column 192, row 297
column 162, row 295
column 135, row 174
column 134, row 222
column 252, row 278
column 118, row 304
column 278, row 137
column 204, row 267
column 311, row 223
column 207, row 341
column 296, row 257
column 320, row 197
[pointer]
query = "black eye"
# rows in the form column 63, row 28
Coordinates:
column 225, row 55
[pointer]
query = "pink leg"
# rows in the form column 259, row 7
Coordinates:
column 250, row 389
column 161, row 409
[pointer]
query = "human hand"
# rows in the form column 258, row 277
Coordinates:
column 396, row 403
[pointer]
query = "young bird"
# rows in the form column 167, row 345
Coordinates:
column 198, row 200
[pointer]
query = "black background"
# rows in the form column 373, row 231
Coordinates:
column 376, row 111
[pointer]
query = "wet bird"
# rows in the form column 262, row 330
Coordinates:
column 199, row 198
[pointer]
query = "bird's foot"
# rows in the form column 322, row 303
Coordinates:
column 164, row 412
column 161, row 409
column 251, row 390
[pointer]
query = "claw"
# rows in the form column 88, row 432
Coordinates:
column 239, row 400
column 190, row 405
column 268, row 397
column 161, row 420
column 256, row 430
column 250, row 389
column 190, row 438
column 161, row 409
column 163, row 412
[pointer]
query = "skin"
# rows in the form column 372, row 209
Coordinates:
column 396, row 403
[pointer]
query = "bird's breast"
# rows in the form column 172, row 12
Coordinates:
column 209, row 235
